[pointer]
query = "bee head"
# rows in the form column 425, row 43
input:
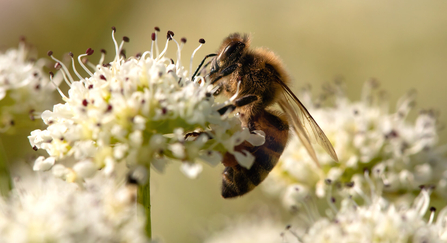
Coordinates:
column 230, row 51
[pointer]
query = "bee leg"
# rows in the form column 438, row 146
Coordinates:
column 227, row 71
column 194, row 135
column 216, row 90
column 200, row 65
column 243, row 101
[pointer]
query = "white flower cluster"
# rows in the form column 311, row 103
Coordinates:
column 378, row 222
column 24, row 89
column 366, row 136
column 263, row 228
column 137, row 111
column 375, row 220
column 47, row 209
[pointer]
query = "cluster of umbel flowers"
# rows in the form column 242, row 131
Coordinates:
column 137, row 110
column 42, row 208
column 24, row 88
column 371, row 219
column 366, row 136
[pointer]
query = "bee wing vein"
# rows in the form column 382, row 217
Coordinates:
column 304, row 125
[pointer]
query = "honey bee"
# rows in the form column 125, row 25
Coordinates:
column 262, row 82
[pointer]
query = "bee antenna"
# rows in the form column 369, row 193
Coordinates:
column 201, row 64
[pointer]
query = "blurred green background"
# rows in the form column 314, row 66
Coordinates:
column 401, row 43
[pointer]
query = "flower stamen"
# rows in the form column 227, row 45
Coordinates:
column 201, row 41
column 57, row 86
column 74, row 66
column 88, row 52
column 64, row 68
column 170, row 34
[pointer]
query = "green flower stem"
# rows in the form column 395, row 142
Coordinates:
column 5, row 177
column 144, row 198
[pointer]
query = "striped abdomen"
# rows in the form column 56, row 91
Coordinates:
column 237, row 180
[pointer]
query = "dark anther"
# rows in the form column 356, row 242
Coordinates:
column 89, row 51
column 288, row 227
column 109, row 108
column 114, row 29
column 102, row 77
column 51, row 74
column 391, row 134
column 35, row 148
column 90, row 86
column 12, row 122
column 183, row 39
column 50, row 53
column 333, row 199
column 169, row 35
column 202, row 41
column 138, row 55
column 153, row 36
column 22, row 38
column 432, row 209
column 328, row 181
column 164, row 110
column 37, row 87
column 350, row 184
column 126, row 39
column 156, row 29
column 31, row 115
column 103, row 51
column 35, row 74
column 70, row 54
column 84, row 102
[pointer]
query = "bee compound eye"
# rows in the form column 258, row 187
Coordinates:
column 232, row 48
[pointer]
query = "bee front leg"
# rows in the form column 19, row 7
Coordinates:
column 227, row 71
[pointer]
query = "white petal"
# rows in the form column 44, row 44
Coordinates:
column 60, row 171
column 159, row 164
column 85, row 169
column 296, row 192
column 43, row 164
column 211, row 157
column 178, row 150
column 245, row 159
column 191, row 170
column 256, row 139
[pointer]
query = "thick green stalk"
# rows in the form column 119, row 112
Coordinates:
column 144, row 198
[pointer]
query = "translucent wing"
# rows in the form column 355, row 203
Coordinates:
column 303, row 124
